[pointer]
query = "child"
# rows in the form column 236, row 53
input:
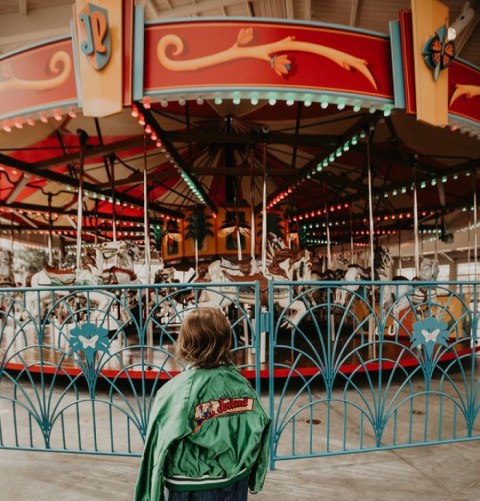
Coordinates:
column 208, row 435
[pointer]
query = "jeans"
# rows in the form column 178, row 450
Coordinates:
column 236, row 492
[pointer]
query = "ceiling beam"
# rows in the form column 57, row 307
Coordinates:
column 197, row 8
column 253, row 137
column 93, row 188
column 26, row 219
column 354, row 12
column 152, row 7
column 461, row 41
column 308, row 10
column 289, row 9
column 363, row 122
column 20, row 207
column 22, row 7
column 18, row 187
column 175, row 155
column 90, row 151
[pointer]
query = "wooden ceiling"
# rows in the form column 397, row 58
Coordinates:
column 24, row 21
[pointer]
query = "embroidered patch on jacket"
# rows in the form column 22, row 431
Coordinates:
column 221, row 407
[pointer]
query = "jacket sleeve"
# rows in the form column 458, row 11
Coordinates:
column 167, row 424
column 259, row 470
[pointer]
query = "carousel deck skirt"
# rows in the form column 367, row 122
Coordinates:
column 129, row 360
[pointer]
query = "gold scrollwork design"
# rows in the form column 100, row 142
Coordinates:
column 273, row 53
column 60, row 63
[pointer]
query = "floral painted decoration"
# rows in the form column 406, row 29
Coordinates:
column 430, row 332
column 89, row 338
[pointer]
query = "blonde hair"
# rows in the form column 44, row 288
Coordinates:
column 205, row 338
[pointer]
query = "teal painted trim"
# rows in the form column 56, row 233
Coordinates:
column 35, row 45
column 138, row 52
column 463, row 119
column 76, row 64
column 38, row 109
column 258, row 20
column 262, row 90
column 397, row 65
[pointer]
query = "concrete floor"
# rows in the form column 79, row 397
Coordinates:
column 443, row 472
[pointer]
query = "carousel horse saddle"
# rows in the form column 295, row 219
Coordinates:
column 252, row 278
column 60, row 277
column 114, row 271
column 242, row 265
column 7, row 281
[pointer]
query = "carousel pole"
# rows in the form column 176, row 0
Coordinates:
column 415, row 222
column 12, row 235
column 50, row 243
column 264, row 210
column 371, row 329
column 399, row 251
column 252, row 208
column 96, row 221
column 329, row 248
column 114, row 212
column 146, row 224
column 146, row 221
column 475, row 222
column 83, row 137
column 351, row 237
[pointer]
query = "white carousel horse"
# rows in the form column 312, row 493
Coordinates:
column 125, row 254
column 353, row 273
column 273, row 244
column 89, row 274
column 7, row 278
column 286, row 265
column 402, row 296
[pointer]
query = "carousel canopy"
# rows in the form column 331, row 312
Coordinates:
column 217, row 152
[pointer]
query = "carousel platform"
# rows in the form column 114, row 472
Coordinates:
column 294, row 356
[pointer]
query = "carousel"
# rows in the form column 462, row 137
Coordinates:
column 285, row 173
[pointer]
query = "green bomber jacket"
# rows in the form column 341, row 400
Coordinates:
column 207, row 429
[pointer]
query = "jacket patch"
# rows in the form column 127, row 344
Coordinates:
column 221, row 407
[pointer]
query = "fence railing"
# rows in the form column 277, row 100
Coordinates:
column 348, row 367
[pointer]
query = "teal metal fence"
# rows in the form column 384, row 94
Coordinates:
column 386, row 365
column 346, row 367
column 79, row 369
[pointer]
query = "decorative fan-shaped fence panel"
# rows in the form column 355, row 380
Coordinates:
column 392, row 364
column 351, row 367
column 79, row 370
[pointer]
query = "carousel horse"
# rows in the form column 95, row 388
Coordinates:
column 286, row 265
column 7, row 278
column 342, row 272
column 88, row 274
column 273, row 244
column 126, row 254
column 353, row 273
column 401, row 297
column 91, row 273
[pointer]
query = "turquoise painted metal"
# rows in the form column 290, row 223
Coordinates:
column 395, row 373
column 385, row 365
